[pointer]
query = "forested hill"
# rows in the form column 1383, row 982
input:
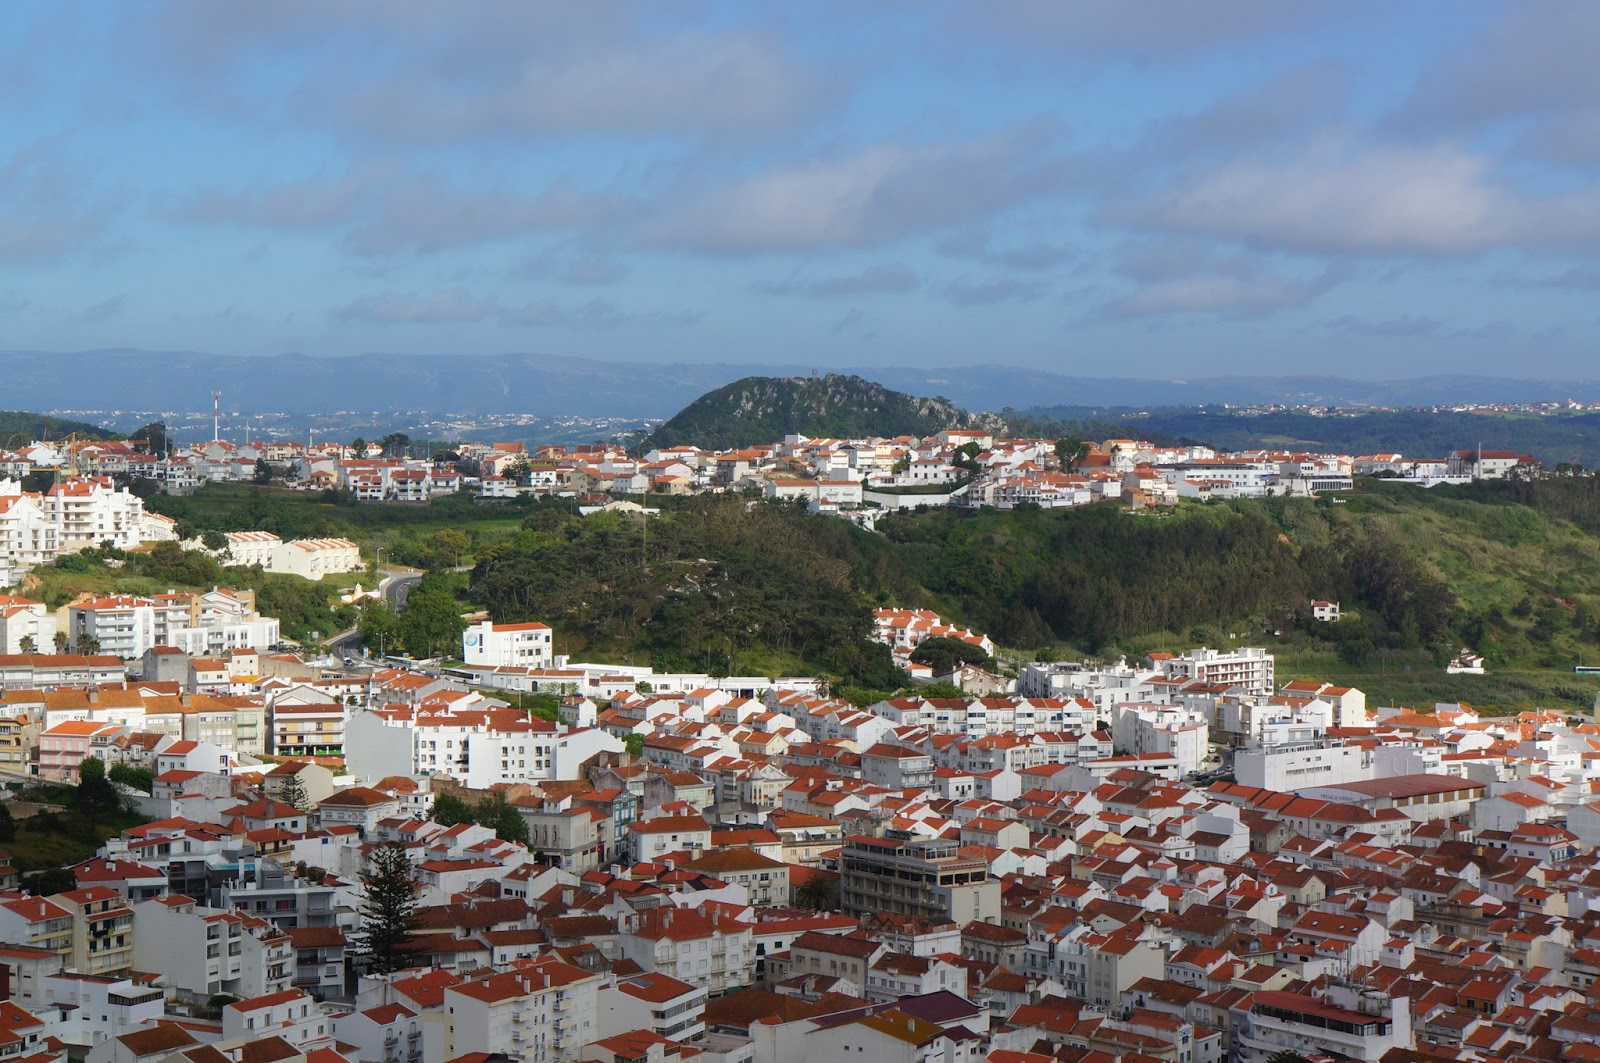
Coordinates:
column 1511, row 571
column 17, row 424
column 762, row 409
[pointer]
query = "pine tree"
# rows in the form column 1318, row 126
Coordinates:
column 388, row 909
column 294, row 794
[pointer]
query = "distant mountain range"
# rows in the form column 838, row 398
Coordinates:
column 551, row 385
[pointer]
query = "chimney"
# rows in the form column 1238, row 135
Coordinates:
column 93, row 694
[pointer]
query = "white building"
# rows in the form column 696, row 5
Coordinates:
column 24, row 618
column 508, row 645
column 1249, row 667
column 206, row 952
column 1289, row 767
column 208, row 624
column 251, row 548
column 1344, row 1021
column 100, row 1007
column 543, row 1013
column 476, row 748
column 90, row 510
column 1182, row 733
column 28, row 537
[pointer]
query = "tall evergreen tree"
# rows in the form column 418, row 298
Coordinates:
column 294, row 794
column 389, row 920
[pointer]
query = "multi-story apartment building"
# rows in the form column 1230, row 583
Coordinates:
column 909, row 876
column 765, row 880
column 19, row 737
column 708, row 946
column 26, row 626
column 308, row 730
column 508, row 645
column 1345, row 1021
column 1249, row 667
column 28, row 537
column 208, row 951
column 102, row 930
column 212, row 623
column 542, row 1013
column 62, row 748
column 90, row 510
column 38, row 923
column 565, row 834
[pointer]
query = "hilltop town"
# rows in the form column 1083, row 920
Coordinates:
column 508, row 852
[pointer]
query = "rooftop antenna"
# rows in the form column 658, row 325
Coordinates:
column 216, row 416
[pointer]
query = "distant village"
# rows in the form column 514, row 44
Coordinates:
column 856, row 478
column 1178, row 858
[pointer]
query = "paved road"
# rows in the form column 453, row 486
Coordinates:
column 398, row 589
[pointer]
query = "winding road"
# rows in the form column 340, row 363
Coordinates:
column 396, row 588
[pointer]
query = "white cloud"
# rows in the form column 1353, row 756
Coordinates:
column 1187, row 277
column 380, row 211
column 1432, row 201
column 415, row 70
column 876, row 195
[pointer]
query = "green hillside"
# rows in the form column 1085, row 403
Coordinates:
column 18, row 427
column 712, row 585
column 762, row 409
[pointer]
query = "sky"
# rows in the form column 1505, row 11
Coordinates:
column 1117, row 188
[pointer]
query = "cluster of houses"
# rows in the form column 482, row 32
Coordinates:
column 1177, row 859
column 73, row 514
column 959, row 467
column 88, row 511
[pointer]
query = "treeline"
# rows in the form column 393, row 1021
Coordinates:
column 18, row 427
column 723, row 585
column 715, row 585
column 298, row 515
column 1092, row 576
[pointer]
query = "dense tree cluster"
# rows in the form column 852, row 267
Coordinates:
column 715, row 585
column 493, row 812
column 761, row 409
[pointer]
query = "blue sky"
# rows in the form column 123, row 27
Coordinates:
column 1106, row 189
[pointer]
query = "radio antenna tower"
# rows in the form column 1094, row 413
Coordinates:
column 216, row 416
